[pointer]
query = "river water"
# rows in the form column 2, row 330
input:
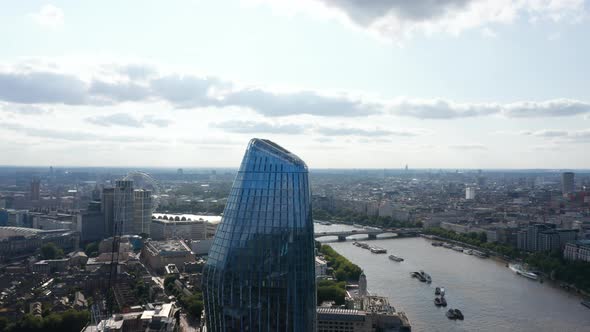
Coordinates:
column 491, row 297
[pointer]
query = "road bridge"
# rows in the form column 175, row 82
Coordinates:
column 371, row 233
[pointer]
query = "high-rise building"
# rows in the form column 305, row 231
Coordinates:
column 123, row 207
column 108, row 209
column 90, row 223
column 260, row 272
column 469, row 193
column 567, row 183
column 142, row 213
column 35, row 189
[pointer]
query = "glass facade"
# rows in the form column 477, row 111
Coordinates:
column 260, row 272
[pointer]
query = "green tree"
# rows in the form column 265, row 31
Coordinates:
column 51, row 251
column 91, row 249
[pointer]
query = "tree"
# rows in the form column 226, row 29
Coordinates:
column 483, row 237
column 51, row 251
column 91, row 249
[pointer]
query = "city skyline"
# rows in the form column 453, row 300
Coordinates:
column 462, row 84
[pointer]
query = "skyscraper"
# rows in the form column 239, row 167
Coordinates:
column 108, row 209
column 260, row 272
column 567, row 183
column 123, row 207
column 142, row 212
column 35, row 189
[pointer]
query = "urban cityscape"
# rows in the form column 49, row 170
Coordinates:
column 298, row 166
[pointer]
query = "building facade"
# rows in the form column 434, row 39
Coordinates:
column 123, row 207
column 577, row 251
column 567, row 183
column 260, row 275
column 108, row 210
column 142, row 211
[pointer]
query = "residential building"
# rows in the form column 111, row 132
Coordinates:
column 142, row 212
column 577, row 251
column 124, row 208
column 567, row 183
column 470, row 193
column 321, row 267
column 264, row 246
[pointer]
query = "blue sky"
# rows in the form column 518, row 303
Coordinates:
column 342, row 83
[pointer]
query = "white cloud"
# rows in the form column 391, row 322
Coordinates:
column 400, row 19
column 489, row 33
column 259, row 127
column 126, row 120
column 49, row 16
column 40, row 83
column 561, row 136
column 468, row 147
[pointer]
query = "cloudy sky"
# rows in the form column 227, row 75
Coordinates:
column 342, row 83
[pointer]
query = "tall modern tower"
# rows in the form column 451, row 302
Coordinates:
column 567, row 183
column 123, row 208
column 142, row 213
column 108, row 210
column 35, row 189
column 260, row 272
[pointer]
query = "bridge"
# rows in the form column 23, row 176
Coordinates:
column 372, row 233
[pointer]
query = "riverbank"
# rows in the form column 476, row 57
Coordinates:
column 492, row 297
column 547, row 266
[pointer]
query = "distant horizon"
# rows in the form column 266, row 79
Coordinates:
column 184, row 168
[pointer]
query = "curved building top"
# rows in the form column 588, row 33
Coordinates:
column 264, row 155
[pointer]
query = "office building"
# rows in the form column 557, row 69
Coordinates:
column 567, row 183
column 124, row 209
column 188, row 229
column 35, row 189
column 260, row 275
column 108, row 210
column 158, row 254
column 90, row 223
column 142, row 212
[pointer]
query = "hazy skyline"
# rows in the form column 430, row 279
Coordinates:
column 446, row 84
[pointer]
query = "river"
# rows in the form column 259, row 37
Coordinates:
column 491, row 297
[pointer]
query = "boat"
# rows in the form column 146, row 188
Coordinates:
column 457, row 248
column 418, row 276
column 437, row 244
column 422, row 276
column 518, row 269
column 442, row 291
column 454, row 314
column 395, row 258
column 437, row 291
column 586, row 304
column 378, row 250
column 440, row 301
column 447, row 245
column 468, row 251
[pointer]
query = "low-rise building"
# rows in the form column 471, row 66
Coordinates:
column 321, row 267
column 577, row 251
column 158, row 254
